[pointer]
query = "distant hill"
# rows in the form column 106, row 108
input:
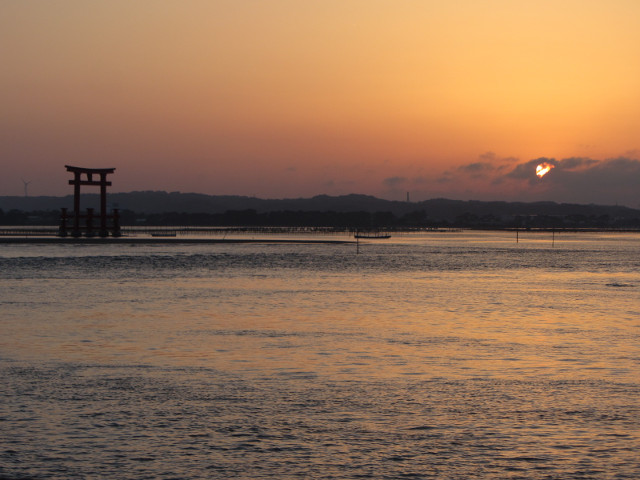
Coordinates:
column 161, row 202
column 436, row 210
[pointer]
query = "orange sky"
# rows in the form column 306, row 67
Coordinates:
column 285, row 98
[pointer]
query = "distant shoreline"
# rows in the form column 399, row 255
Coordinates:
column 152, row 209
column 172, row 240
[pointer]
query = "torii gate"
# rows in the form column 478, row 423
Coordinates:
column 88, row 225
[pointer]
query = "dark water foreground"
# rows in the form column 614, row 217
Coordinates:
column 72, row 421
column 453, row 356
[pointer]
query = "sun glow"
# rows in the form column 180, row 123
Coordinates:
column 543, row 169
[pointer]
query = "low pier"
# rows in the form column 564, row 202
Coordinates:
column 162, row 231
column 29, row 232
column 150, row 235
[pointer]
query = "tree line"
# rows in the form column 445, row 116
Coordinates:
column 348, row 220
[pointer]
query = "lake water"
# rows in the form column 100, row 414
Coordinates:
column 450, row 355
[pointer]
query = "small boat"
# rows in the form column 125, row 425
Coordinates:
column 372, row 235
column 163, row 234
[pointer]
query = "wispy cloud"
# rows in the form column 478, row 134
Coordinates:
column 394, row 182
column 478, row 169
column 572, row 180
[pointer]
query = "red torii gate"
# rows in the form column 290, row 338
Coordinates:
column 88, row 228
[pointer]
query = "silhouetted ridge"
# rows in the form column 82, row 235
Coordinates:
column 146, row 207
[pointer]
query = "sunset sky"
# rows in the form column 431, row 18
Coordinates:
column 289, row 98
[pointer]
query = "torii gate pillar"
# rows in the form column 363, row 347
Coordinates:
column 77, row 181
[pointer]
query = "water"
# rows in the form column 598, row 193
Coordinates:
column 442, row 355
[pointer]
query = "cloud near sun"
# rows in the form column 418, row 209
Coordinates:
column 572, row 180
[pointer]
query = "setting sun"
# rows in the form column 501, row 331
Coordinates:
column 543, row 169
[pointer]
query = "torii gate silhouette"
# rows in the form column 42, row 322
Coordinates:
column 88, row 227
